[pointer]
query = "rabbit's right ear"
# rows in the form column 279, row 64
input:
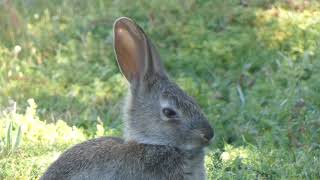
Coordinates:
column 135, row 53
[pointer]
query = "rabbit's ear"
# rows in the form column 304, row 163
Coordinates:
column 135, row 53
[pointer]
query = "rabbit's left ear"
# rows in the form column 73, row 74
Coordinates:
column 135, row 53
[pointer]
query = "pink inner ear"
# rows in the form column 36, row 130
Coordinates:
column 127, row 53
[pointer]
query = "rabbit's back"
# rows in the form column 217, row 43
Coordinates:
column 112, row 158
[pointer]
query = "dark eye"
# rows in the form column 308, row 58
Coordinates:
column 169, row 113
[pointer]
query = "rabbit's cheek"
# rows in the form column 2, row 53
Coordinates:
column 191, row 143
column 190, row 147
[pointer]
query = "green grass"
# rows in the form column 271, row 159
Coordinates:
column 254, row 70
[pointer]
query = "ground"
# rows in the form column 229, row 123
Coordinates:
column 253, row 68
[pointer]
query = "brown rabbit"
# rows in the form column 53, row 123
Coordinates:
column 165, row 129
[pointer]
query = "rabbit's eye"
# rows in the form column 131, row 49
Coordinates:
column 169, row 113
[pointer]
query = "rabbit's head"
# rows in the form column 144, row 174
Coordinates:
column 157, row 110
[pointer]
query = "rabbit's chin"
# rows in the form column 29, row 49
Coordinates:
column 190, row 147
column 184, row 146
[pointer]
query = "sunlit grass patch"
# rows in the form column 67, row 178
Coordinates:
column 23, row 166
column 291, row 32
column 35, row 131
column 245, row 162
column 41, row 142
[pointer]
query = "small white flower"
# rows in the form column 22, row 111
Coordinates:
column 17, row 49
column 9, row 73
column 36, row 16
column 225, row 156
column 33, row 50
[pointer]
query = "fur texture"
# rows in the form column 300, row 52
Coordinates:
column 155, row 145
column 110, row 158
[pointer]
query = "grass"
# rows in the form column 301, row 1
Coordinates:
column 253, row 69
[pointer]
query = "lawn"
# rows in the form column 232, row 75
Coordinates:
column 254, row 69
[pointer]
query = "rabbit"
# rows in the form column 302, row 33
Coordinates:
column 165, row 131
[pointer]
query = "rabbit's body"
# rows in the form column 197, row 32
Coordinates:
column 110, row 158
column 165, row 130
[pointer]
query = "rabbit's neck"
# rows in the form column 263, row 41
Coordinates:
column 194, row 165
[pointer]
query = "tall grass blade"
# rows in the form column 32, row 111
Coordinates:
column 9, row 137
column 18, row 138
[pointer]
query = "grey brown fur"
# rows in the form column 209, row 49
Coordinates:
column 155, row 146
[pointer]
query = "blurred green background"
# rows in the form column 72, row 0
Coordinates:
column 253, row 66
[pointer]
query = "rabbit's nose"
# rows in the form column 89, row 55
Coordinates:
column 208, row 133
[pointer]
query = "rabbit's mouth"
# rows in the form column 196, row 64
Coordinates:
column 206, row 136
column 199, row 140
column 206, row 142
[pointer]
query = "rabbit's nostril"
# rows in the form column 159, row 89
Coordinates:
column 208, row 134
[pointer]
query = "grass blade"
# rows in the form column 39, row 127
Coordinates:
column 18, row 139
column 242, row 98
column 9, row 137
